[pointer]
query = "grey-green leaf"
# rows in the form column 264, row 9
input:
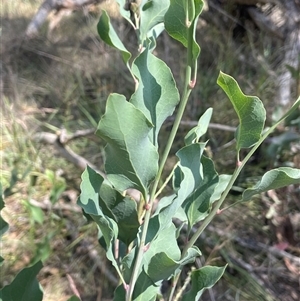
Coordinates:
column 190, row 173
column 123, row 210
column 203, row 279
column 125, row 12
column 198, row 204
column 221, row 186
column 250, row 110
column 131, row 158
column 182, row 27
column 176, row 22
column 151, row 14
column 25, row 286
column 3, row 223
column 98, row 198
column 144, row 289
column 166, row 242
column 198, row 131
column 89, row 201
column 156, row 95
column 110, row 37
column 273, row 179
column 163, row 266
column 90, row 189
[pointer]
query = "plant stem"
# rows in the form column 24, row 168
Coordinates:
column 166, row 181
column 236, row 173
column 186, row 92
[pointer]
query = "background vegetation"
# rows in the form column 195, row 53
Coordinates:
column 60, row 81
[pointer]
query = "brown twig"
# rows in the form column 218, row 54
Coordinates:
column 60, row 141
column 54, row 5
column 212, row 125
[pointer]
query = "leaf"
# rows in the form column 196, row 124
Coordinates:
column 131, row 158
column 123, row 210
column 250, row 110
column 109, row 230
column 128, row 263
column 125, row 13
column 203, row 279
column 274, row 179
column 90, row 189
column 144, row 290
column 278, row 143
column 110, row 37
column 189, row 171
column 153, row 34
column 176, row 21
column 162, row 256
column 163, row 267
column 3, row 223
column 165, row 241
column 103, row 200
column 144, row 286
column 25, row 286
column 198, row 204
column 221, row 186
column 195, row 133
column 74, row 298
column 156, row 95
column 36, row 213
column 182, row 27
column 151, row 14
column 89, row 201
column 190, row 166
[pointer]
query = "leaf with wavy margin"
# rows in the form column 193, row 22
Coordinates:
column 274, row 179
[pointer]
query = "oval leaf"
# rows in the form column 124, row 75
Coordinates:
column 151, row 14
column 163, row 266
column 203, row 279
column 250, row 110
column 190, row 173
column 180, row 23
column 98, row 198
column 176, row 22
column 273, row 179
column 198, row 204
column 131, row 158
column 156, row 95
column 89, row 201
column 110, row 37
column 123, row 210
column 198, row 131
